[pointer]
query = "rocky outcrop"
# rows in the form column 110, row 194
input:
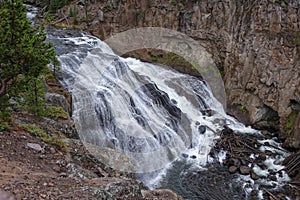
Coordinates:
column 255, row 44
column 58, row 100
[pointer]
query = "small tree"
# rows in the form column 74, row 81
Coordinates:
column 24, row 54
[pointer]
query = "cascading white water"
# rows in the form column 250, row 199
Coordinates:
column 136, row 116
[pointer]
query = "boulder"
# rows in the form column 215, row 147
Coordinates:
column 58, row 100
column 254, row 176
column 35, row 147
column 232, row 169
column 202, row 129
column 245, row 170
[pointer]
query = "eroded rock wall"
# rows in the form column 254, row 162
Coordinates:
column 254, row 43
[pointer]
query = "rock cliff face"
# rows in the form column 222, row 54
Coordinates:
column 255, row 43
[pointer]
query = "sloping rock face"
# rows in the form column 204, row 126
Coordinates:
column 254, row 43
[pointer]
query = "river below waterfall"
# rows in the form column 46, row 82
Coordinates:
column 151, row 120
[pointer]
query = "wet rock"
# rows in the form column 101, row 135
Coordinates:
column 184, row 155
column 58, row 100
column 245, row 170
column 262, row 156
column 35, row 147
column 173, row 101
column 254, row 176
column 202, row 129
column 261, row 165
column 269, row 153
column 244, row 162
column 232, row 169
column 267, row 143
column 253, row 194
column 281, row 196
column 273, row 178
column 234, row 162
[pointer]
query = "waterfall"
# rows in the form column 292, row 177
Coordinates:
column 151, row 120
column 136, row 116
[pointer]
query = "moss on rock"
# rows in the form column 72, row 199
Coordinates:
column 290, row 122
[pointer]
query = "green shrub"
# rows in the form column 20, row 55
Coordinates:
column 48, row 17
column 49, row 78
column 73, row 12
column 107, row 8
column 57, row 142
column 56, row 112
column 4, row 126
column 34, row 130
column 296, row 41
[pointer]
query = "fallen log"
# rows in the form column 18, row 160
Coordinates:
column 270, row 194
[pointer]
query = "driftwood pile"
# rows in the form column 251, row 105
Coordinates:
column 243, row 154
column 239, row 149
column 292, row 167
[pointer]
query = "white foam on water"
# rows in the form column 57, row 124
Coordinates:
column 274, row 148
column 272, row 163
column 260, row 195
column 221, row 156
column 253, row 156
column 260, row 172
column 31, row 12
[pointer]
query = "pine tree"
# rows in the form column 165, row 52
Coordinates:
column 24, row 54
